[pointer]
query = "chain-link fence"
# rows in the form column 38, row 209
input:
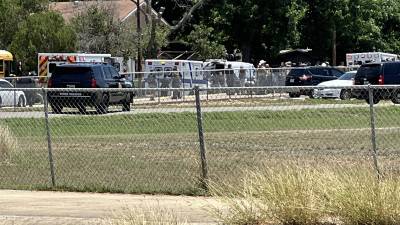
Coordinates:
column 107, row 140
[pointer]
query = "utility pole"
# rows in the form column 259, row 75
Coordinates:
column 139, row 41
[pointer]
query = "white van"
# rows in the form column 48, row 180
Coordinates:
column 219, row 64
column 192, row 74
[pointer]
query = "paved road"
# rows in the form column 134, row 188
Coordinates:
column 38, row 114
column 56, row 208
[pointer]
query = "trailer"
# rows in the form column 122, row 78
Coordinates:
column 357, row 59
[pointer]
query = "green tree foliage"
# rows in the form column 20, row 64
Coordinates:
column 10, row 16
column 42, row 32
column 206, row 42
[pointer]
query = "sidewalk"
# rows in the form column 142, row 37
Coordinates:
column 45, row 208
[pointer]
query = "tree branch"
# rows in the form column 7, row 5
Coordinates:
column 187, row 16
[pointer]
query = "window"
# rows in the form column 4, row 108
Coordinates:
column 5, row 85
column 1, row 65
column 114, row 73
column 107, row 73
column 336, row 73
column 52, row 67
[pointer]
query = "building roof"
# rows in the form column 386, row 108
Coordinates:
column 122, row 8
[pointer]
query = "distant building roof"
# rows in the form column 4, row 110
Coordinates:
column 123, row 8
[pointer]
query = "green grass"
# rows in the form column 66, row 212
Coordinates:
column 159, row 152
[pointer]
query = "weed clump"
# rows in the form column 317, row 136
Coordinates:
column 8, row 143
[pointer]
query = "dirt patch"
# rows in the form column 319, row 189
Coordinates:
column 27, row 207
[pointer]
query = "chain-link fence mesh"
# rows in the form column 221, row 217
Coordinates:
column 105, row 140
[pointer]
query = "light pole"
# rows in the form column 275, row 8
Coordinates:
column 139, row 33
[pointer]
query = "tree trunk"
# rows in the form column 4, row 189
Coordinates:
column 246, row 52
column 334, row 63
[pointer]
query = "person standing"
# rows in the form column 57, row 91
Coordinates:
column 152, row 83
column 230, row 78
column 176, row 83
column 242, row 78
column 165, row 82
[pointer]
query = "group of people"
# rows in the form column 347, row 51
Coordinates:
column 174, row 80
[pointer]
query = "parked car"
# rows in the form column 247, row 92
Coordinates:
column 88, row 76
column 345, row 80
column 11, row 97
column 310, row 76
column 32, row 97
column 387, row 73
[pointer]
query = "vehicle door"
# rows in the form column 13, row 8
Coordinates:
column 111, row 83
column 7, row 96
column 391, row 72
column 120, row 83
column 320, row 75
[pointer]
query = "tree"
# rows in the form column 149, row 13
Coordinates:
column 206, row 43
column 98, row 31
column 42, row 32
column 10, row 17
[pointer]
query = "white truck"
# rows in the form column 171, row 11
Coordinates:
column 357, row 59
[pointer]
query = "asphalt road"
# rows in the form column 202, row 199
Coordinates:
column 56, row 208
column 39, row 114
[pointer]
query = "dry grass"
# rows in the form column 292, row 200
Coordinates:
column 8, row 143
column 312, row 195
column 146, row 216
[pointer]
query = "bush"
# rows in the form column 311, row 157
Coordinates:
column 145, row 217
column 297, row 195
column 8, row 143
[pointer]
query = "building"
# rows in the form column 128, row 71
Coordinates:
column 124, row 10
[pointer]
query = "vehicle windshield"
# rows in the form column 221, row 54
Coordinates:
column 297, row 72
column 73, row 72
column 369, row 71
column 347, row 76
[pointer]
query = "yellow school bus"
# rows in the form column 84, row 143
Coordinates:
column 6, row 59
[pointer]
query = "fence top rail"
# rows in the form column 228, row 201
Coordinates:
column 280, row 88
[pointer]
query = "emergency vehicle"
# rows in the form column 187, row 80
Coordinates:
column 191, row 71
column 357, row 59
column 47, row 62
column 220, row 65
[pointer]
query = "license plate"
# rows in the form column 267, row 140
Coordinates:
column 70, row 85
column 291, row 80
column 70, row 94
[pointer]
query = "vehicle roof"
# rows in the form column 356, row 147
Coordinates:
column 83, row 65
column 5, row 80
column 6, row 55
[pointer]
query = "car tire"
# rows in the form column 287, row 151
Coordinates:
column 376, row 100
column 345, row 94
column 57, row 109
column 396, row 97
column 21, row 101
column 126, row 105
column 102, row 107
column 294, row 95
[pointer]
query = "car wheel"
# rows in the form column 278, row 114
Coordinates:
column 56, row 108
column 396, row 97
column 126, row 105
column 345, row 94
column 376, row 100
column 102, row 108
column 313, row 94
column 294, row 95
column 21, row 101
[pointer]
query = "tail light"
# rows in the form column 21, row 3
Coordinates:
column 381, row 81
column 305, row 77
column 50, row 83
column 93, row 83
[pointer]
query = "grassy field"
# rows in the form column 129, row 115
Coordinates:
column 159, row 153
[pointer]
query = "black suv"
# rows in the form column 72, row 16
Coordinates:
column 88, row 76
column 387, row 73
column 310, row 76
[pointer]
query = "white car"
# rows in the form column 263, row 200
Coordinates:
column 11, row 97
column 343, row 81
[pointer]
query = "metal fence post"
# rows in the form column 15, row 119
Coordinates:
column 373, row 131
column 49, row 143
column 204, row 168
